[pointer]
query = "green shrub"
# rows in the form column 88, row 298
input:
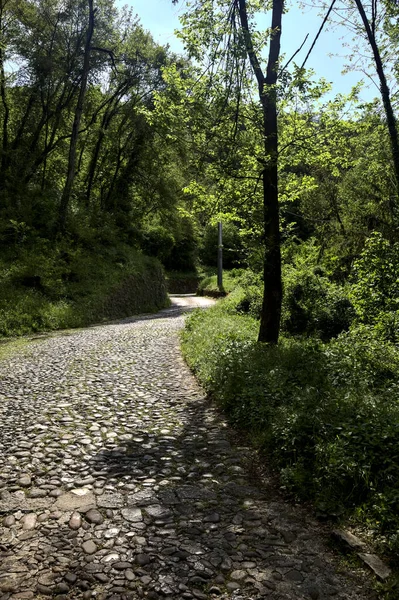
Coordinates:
column 252, row 286
column 174, row 246
column 313, row 305
column 374, row 282
column 183, row 256
column 233, row 250
column 158, row 241
column 325, row 413
column 62, row 286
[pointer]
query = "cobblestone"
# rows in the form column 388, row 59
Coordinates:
column 118, row 480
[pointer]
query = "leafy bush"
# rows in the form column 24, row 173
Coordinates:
column 174, row 246
column 252, row 287
column 62, row 286
column 158, row 241
column 326, row 413
column 233, row 250
column 375, row 282
column 183, row 256
column 313, row 305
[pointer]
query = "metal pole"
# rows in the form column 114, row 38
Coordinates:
column 220, row 256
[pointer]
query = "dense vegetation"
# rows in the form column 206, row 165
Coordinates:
column 87, row 178
column 322, row 404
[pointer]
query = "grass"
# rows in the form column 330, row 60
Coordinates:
column 61, row 288
column 9, row 348
column 324, row 413
column 208, row 285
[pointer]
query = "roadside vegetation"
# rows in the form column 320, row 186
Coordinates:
column 322, row 405
column 70, row 288
column 86, row 175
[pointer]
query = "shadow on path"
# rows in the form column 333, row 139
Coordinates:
column 124, row 483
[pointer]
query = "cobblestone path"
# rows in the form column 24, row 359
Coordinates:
column 118, row 480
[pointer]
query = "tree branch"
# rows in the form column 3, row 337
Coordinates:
column 318, row 33
column 294, row 55
column 255, row 64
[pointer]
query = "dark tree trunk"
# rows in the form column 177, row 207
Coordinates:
column 272, row 291
column 107, row 117
column 48, row 113
column 66, row 195
column 385, row 94
column 127, row 173
column 6, row 108
column 272, row 294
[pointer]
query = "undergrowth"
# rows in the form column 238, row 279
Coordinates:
column 326, row 413
column 61, row 286
column 208, row 285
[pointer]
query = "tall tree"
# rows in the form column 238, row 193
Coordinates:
column 66, row 194
column 375, row 22
column 371, row 30
column 227, row 32
column 272, row 294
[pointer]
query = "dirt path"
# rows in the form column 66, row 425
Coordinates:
column 118, row 480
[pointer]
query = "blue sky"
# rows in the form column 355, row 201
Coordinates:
column 161, row 18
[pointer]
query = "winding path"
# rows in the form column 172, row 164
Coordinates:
column 119, row 480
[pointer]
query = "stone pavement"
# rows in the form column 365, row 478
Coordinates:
column 118, row 480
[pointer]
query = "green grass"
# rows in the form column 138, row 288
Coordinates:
column 9, row 348
column 208, row 285
column 325, row 414
column 60, row 288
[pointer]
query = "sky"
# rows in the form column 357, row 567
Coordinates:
column 161, row 18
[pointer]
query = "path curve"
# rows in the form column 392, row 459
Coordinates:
column 118, row 480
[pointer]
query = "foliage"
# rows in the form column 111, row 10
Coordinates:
column 375, row 282
column 326, row 414
column 250, row 300
column 158, row 241
column 62, row 287
column 209, row 286
column 313, row 304
column 87, row 181
column 233, row 251
column 124, row 172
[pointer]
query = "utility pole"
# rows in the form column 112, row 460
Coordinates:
column 220, row 256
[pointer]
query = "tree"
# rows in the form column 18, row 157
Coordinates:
column 272, row 294
column 79, row 151
column 227, row 31
column 66, row 194
column 370, row 26
column 377, row 26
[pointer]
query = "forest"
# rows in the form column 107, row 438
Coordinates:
column 117, row 160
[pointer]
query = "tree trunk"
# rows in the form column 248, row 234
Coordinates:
column 107, row 117
column 66, row 195
column 272, row 287
column 272, row 293
column 6, row 108
column 385, row 94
